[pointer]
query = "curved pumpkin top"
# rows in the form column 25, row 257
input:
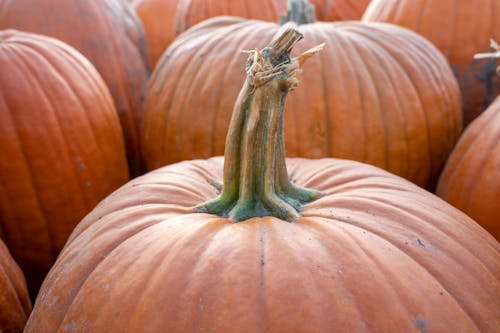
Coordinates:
column 62, row 146
column 459, row 29
column 378, row 94
column 471, row 178
column 15, row 305
column 110, row 35
column 374, row 253
column 183, row 14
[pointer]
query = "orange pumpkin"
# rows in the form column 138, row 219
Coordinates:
column 15, row 305
column 62, row 147
column 374, row 253
column 110, row 35
column 383, row 95
column 164, row 20
column 471, row 178
column 459, row 29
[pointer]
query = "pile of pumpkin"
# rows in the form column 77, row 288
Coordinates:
column 122, row 220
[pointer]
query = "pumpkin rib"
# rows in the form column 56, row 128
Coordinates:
column 180, row 138
column 322, row 63
column 406, row 255
column 429, row 270
column 388, row 51
column 73, row 91
column 402, row 210
column 34, row 78
column 130, row 237
column 355, row 77
column 379, row 108
column 5, row 277
column 176, row 113
column 482, row 165
column 30, row 168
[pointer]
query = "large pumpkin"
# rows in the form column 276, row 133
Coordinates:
column 460, row 29
column 374, row 253
column 15, row 305
column 163, row 20
column 379, row 94
column 61, row 146
column 110, row 35
column 471, row 178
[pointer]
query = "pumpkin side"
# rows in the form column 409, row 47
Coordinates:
column 15, row 304
column 459, row 29
column 63, row 147
column 471, row 179
column 110, row 35
column 399, row 110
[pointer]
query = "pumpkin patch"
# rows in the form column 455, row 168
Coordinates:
column 322, row 245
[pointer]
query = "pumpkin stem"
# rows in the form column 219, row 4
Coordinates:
column 492, row 55
column 299, row 11
column 256, row 181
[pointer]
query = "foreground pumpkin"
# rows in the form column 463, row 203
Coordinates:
column 471, row 178
column 460, row 29
column 15, row 305
column 61, row 147
column 110, row 35
column 164, row 20
column 379, row 94
column 371, row 253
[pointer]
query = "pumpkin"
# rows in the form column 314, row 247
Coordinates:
column 110, row 35
column 62, row 147
column 471, row 179
column 459, row 29
column 15, row 305
column 384, row 96
column 371, row 252
column 164, row 20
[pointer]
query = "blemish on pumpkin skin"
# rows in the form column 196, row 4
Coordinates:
column 70, row 327
column 421, row 324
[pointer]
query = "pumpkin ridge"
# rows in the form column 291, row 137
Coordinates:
column 381, row 114
column 388, row 51
column 408, row 253
column 30, row 168
column 73, row 91
column 399, row 249
column 492, row 144
column 182, row 125
column 35, row 79
column 96, row 263
column 172, row 135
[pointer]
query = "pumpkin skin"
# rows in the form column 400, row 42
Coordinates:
column 459, row 29
column 374, row 254
column 471, row 179
column 407, row 123
column 62, row 147
column 164, row 20
column 110, row 35
column 15, row 305
column 339, row 10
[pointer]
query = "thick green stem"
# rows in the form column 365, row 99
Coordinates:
column 256, row 182
column 299, row 11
